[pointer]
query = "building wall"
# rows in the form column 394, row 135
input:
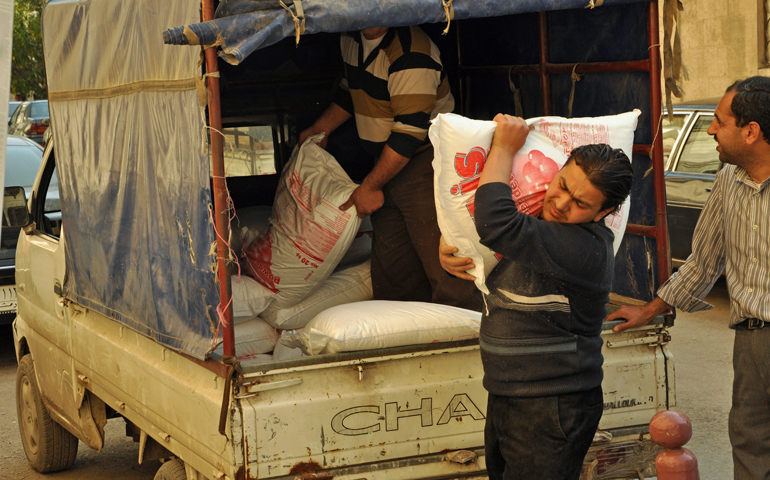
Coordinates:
column 722, row 41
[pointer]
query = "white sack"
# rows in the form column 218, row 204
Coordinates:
column 381, row 324
column 308, row 234
column 461, row 146
column 250, row 298
column 253, row 337
column 282, row 352
column 347, row 286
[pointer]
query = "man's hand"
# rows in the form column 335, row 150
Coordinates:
column 638, row 316
column 510, row 134
column 314, row 130
column 457, row 266
column 366, row 200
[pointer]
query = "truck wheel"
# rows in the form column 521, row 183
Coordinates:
column 49, row 447
column 171, row 470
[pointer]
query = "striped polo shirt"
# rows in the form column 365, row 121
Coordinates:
column 395, row 91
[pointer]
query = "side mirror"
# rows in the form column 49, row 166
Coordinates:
column 15, row 213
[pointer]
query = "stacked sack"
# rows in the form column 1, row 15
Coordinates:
column 292, row 262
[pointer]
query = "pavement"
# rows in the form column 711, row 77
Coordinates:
column 701, row 345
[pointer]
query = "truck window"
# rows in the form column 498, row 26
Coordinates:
column 47, row 214
column 248, row 151
column 699, row 154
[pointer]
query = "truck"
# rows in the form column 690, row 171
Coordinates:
column 122, row 272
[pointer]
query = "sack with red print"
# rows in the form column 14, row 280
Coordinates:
column 309, row 234
column 461, row 146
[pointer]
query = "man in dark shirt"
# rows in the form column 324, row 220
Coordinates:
column 541, row 328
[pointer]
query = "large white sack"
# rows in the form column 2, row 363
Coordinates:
column 347, row 286
column 253, row 338
column 461, row 146
column 381, row 324
column 308, row 234
column 250, row 298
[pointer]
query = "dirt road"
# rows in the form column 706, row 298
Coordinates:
column 701, row 345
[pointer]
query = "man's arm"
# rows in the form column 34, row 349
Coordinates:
column 688, row 286
column 368, row 197
column 330, row 119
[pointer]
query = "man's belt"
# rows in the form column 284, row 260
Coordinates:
column 751, row 324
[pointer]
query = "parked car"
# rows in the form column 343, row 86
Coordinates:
column 31, row 119
column 12, row 106
column 692, row 163
column 22, row 161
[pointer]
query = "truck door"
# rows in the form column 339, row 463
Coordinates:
column 40, row 270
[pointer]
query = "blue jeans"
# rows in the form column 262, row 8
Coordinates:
column 540, row 438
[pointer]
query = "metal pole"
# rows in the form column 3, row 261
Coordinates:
column 545, row 81
column 221, row 218
column 661, row 222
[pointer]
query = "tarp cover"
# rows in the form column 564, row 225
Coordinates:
column 133, row 172
column 243, row 26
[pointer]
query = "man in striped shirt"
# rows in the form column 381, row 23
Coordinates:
column 394, row 85
column 733, row 235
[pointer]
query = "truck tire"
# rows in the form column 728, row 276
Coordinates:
column 49, row 446
column 171, row 470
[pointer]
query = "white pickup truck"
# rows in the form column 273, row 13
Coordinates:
column 115, row 312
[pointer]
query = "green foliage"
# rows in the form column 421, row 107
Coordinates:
column 27, row 66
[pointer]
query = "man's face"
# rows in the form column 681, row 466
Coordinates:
column 572, row 198
column 729, row 137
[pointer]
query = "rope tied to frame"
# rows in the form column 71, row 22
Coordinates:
column 298, row 17
column 673, row 68
column 518, row 110
column 575, row 78
column 449, row 11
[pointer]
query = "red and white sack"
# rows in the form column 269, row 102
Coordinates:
column 309, row 234
column 248, row 224
column 461, row 146
column 347, row 286
column 381, row 324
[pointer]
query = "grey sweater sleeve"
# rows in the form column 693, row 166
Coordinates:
column 569, row 252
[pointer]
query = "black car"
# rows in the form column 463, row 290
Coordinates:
column 22, row 160
column 31, row 120
column 692, row 163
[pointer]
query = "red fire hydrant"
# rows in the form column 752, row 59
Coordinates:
column 671, row 430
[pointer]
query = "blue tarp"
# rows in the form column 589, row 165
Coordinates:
column 243, row 26
column 133, row 176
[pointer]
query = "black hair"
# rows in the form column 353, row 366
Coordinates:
column 608, row 169
column 751, row 103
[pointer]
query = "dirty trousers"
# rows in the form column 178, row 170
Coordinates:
column 405, row 262
column 540, row 438
column 749, row 423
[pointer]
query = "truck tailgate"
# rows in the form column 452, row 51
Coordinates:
column 360, row 411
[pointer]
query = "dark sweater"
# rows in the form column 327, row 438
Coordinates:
column 541, row 331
